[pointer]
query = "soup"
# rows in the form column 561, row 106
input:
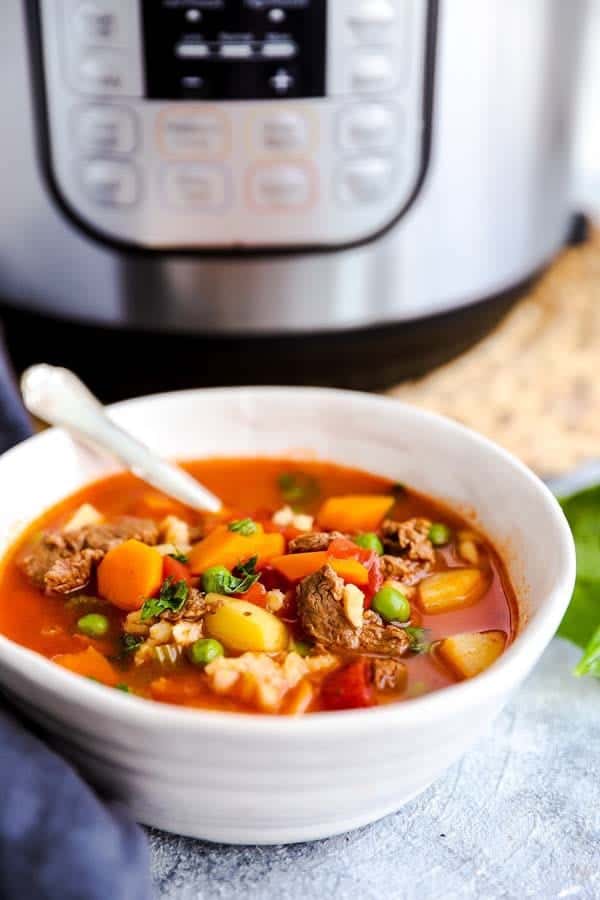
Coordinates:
column 317, row 588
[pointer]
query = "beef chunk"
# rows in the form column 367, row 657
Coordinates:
column 389, row 674
column 71, row 573
column 319, row 599
column 409, row 552
column 383, row 639
column 63, row 561
column 408, row 571
column 313, row 540
column 108, row 535
column 39, row 561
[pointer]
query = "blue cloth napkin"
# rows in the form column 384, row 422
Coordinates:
column 58, row 839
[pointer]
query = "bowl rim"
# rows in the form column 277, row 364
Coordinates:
column 512, row 666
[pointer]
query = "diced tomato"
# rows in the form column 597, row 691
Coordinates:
column 342, row 548
column 176, row 570
column 272, row 579
column 348, row 688
column 289, row 610
column 269, row 527
column 375, row 577
column 288, row 531
column 257, row 594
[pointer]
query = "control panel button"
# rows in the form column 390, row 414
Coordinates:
column 193, row 132
column 282, row 82
column 286, row 131
column 192, row 50
column 105, row 129
column 276, row 16
column 193, row 86
column 195, row 186
column 371, row 20
column 110, row 182
column 103, row 72
column 281, row 187
column 365, row 180
column 99, row 23
column 373, row 71
column 368, row 127
column 279, row 49
column 236, row 51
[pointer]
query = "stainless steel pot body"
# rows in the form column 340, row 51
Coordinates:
column 492, row 207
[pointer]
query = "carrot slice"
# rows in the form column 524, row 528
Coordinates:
column 298, row 565
column 90, row 664
column 129, row 573
column 350, row 570
column 223, row 547
column 354, row 512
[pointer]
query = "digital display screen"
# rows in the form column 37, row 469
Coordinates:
column 280, row 4
column 235, row 49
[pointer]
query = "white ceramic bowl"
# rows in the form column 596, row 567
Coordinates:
column 255, row 779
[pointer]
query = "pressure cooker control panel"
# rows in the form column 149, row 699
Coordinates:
column 232, row 124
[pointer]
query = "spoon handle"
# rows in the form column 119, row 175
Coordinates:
column 57, row 396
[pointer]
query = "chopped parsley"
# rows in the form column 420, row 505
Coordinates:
column 298, row 487
column 130, row 643
column 172, row 596
column 82, row 600
column 219, row 580
column 245, row 527
column 179, row 556
column 418, row 639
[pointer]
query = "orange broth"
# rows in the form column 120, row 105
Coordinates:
column 248, row 487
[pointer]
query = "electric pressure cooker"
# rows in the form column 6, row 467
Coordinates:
column 343, row 189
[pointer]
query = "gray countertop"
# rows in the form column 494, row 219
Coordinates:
column 518, row 817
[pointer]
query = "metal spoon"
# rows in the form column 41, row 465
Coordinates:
column 57, row 396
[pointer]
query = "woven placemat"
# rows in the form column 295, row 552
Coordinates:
column 533, row 385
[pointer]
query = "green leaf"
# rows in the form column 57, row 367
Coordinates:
column 180, row 557
column 589, row 664
column 246, row 527
column 581, row 622
column 247, row 574
column 172, row 596
column 219, row 580
column 298, row 487
column 583, row 512
column 583, row 615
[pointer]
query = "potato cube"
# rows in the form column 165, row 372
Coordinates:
column 469, row 654
column 241, row 625
column 446, row 591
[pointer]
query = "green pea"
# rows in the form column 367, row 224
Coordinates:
column 123, row 687
column 391, row 604
column 439, row 534
column 214, row 578
column 203, row 651
column 369, row 541
column 94, row 625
